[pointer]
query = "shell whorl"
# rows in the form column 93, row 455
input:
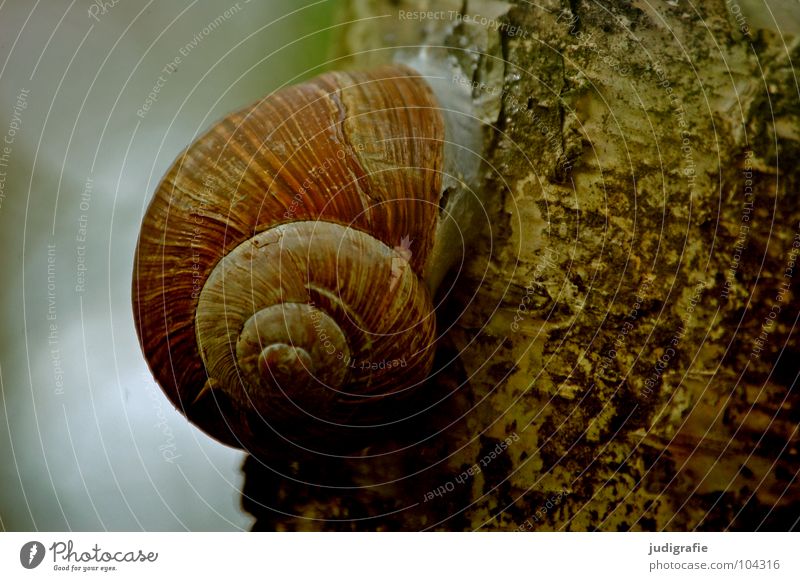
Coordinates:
column 322, row 316
column 279, row 275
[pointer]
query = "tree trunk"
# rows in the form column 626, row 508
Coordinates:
column 624, row 352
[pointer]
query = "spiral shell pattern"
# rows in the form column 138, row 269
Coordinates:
column 278, row 274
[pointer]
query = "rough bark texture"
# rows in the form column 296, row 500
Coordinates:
column 626, row 330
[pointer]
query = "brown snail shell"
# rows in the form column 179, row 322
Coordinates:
column 279, row 282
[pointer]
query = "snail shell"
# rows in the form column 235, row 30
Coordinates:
column 279, row 281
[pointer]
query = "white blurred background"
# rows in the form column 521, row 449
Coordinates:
column 87, row 440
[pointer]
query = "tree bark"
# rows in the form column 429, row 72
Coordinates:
column 624, row 349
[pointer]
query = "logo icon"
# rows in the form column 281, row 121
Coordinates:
column 31, row 554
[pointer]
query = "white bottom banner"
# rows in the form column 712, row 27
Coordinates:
column 354, row 556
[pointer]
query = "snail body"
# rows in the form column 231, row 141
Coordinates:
column 285, row 266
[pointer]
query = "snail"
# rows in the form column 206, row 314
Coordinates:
column 285, row 268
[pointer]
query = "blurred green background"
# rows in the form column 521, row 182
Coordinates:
column 87, row 440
